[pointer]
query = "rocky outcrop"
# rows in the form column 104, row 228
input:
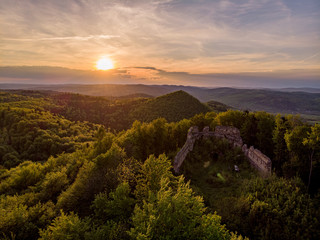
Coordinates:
column 256, row 158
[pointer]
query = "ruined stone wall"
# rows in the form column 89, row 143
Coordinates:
column 192, row 136
column 256, row 158
column 232, row 134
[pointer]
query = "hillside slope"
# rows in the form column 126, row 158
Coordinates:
column 173, row 107
column 218, row 106
column 116, row 113
column 29, row 132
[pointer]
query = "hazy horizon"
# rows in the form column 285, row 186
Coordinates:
column 60, row 75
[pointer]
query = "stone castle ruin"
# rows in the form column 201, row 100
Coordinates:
column 232, row 134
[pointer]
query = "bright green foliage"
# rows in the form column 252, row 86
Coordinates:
column 34, row 134
column 313, row 144
column 177, row 133
column 231, row 118
column 73, row 196
column 256, row 128
column 53, row 184
column 158, row 137
column 175, row 213
column 65, row 227
column 297, row 163
column 152, row 171
column 127, row 172
column 118, row 206
column 275, row 208
column 18, row 179
column 93, row 178
column 169, row 208
column 303, row 146
column 295, row 138
column 22, row 221
column 201, row 120
column 104, row 141
column 313, row 138
column 170, row 215
column 212, row 229
column 138, row 140
column 48, row 179
column 108, row 231
column 155, row 138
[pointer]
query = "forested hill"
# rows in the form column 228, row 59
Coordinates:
column 173, row 107
column 29, row 132
column 116, row 113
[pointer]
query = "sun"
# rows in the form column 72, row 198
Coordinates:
column 104, row 64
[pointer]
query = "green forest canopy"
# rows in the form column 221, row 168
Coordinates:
column 62, row 179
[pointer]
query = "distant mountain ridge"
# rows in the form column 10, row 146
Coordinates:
column 309, row 90
column 267, row 100
column 285, row 101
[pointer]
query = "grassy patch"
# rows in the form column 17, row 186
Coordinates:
column 210, row 168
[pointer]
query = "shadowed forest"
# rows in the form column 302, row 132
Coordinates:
column 83, row 167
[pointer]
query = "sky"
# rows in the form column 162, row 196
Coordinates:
column 241, row 43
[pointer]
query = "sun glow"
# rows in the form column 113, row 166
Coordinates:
column 104, row 64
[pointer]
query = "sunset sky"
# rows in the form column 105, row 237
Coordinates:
column 240, row 43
